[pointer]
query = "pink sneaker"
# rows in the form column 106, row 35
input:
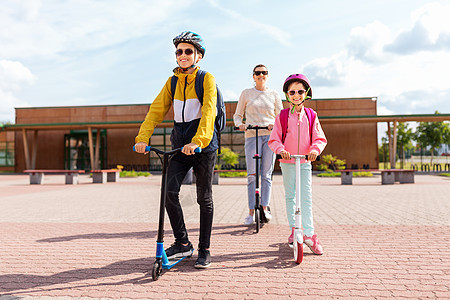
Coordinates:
column 291, row 237
column 313, row 243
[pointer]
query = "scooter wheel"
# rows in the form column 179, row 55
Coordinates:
column 298, row 252
column 156, row 272
column 257, row 219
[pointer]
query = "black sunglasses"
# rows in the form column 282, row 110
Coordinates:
column 257, row 73
column 188, row 51
column 300, row 92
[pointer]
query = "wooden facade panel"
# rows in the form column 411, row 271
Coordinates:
column 128, row 110
column 120, row 143
column 50, row 150
column 38, row 119
column 88, row 114
column 356, row 143
column 346, row 104
column 344, row 112
column 44, row 115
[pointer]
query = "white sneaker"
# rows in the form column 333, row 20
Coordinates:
column 268, row 215
column 248, row 220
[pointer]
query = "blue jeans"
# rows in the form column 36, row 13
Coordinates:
column 265, row 169
column 289, row 177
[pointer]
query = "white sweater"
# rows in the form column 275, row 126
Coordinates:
column 260, row 109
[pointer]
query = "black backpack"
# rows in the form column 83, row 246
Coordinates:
column 221, row 117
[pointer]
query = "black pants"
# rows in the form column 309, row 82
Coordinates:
column 203, row 166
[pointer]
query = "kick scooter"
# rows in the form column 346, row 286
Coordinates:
column 298, row 232
column 162, row 262
column 260, row 217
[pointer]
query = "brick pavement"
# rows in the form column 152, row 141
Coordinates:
column 97, row 241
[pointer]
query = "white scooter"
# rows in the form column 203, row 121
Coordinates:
column 298, row 232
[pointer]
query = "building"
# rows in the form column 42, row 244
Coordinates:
column 91, row 137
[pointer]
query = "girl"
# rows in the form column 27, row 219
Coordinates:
column 298, row 138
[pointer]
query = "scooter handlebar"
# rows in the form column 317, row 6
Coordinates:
column 257, row 127
column 306, row 157
column 252, row 127
column 150, row 148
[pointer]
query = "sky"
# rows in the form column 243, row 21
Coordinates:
column 88, row 52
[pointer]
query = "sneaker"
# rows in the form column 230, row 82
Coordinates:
column 248, row 220
column 177, row 250
column 268, row 215
column 291, row 237
column 313, row 243
column 203, row 260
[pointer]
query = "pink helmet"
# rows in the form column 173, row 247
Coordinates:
column 297, row 77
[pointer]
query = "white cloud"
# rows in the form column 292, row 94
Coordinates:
column 262, row 27
column 328, row 71
column 430, row 31
column 411, row 79
column 77, row 25
column 13, row 75
column 367, row 43
column 229, row 95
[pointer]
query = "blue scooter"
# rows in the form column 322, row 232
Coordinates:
column 162, row 262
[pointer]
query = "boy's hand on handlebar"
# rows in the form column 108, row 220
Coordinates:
column 285, row 155
column 270, row 126
column 242, row 127
column 312, row 155
column 140, row 147
column 188, row 149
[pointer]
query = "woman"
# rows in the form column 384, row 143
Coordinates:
column 260, row 105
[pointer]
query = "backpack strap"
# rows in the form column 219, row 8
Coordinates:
column 284, row 115
column 199, row 79
column 173, row 85
column 311, row 118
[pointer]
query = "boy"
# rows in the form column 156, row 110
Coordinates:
column 193, row 128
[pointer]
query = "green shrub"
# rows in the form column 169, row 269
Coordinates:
column 233, row 174
column 329, row 174
column 330, row 162
column 362, row 174
column 228, row 157
column 445, row 174
column 133, row 173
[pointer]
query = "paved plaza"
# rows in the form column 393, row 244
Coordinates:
column 97, row 241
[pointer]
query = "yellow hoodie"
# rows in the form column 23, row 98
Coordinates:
column 188, row 111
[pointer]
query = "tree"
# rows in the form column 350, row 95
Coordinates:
column 404, row 138
column 432, row 134
column 329, row 162
column 229, row 157
column 383, row 151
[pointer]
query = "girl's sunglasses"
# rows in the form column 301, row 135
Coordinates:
column 257, row 73
column 300, row 92
column 188, row 51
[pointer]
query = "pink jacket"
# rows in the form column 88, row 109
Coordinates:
column 297, row 139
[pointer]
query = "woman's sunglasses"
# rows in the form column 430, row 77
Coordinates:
column 300, row 92
column 257, row 73
column 188, row 51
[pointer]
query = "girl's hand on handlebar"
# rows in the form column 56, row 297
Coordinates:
column 140, row 147
column 285, row 155
column 312, row 155
column 270, row 126
column 188, row 149
column 242, row 127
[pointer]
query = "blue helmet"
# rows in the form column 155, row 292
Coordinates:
column 191, row 38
